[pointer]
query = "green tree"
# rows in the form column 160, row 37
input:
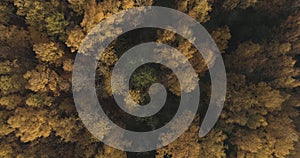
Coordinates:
column 56, row 24
column 43, row 16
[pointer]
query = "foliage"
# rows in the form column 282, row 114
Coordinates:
column 221, row 37
column 39, row 100
column 10, row 102
column 110, row 152
column 43, row 79
column 48, row 52
column 243, row 4
column 77, row 6
column 56, row 24
column 75, row 36
column 66, row 128
column 6, row 11
column 210, row 146
column 68, row 65
column 144, row 77
column 5, row 128
column 95, row 12
column 30, row 124
column 10, row 77
column 197, row 9
column 39, row 41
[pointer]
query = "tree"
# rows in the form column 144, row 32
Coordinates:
column 222, row 36
column 56, row 24
column 67, row 128
column 30, row 124
column 38, row 42
column 14, row 40
column 256, row 97
column 10, row 77
column 5, row 13
column 39, row 100
column 275, row 140
column 74, row 38
column 107, row 59
column 96, row 12
column 43, row 79
column 49, row 52
column 290, row 31
column 43, row 15
column 5, row 128
column 210, row 146
column 107, row 151
column 243, row 4
column 68, row 65
column 77, row 6
column 197, row 9
column 213, row 144
column 10, row 102
column 9, row 146
column 34, row 12
column 9, row 84
column 144, row 77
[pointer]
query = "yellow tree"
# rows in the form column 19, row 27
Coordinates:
column 190, row 145
column 49, row 52
column 43, row 79
column 30, row 123
column 106, row 152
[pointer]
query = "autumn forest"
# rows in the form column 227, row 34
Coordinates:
column 260, row 45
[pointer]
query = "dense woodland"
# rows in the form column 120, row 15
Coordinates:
column 260, row 45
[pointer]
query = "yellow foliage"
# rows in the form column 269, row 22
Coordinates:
column 10, row 102
column 5, row 128
column 30, row 124
column 197, row 9
column 75, row 36
column 210, row 146
column 136, row 96
column 109, row 152
column 108, row 58
column 200, row 10
column 39, row 100
column 66, row 128
column 68, row 65
column 43, row 79
column 48, row 52
column 221, row 37
column 6, row 150
column 10, row 84
column 77, row 6
column 5, row 67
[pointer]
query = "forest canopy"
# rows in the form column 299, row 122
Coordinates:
column 260, row 45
